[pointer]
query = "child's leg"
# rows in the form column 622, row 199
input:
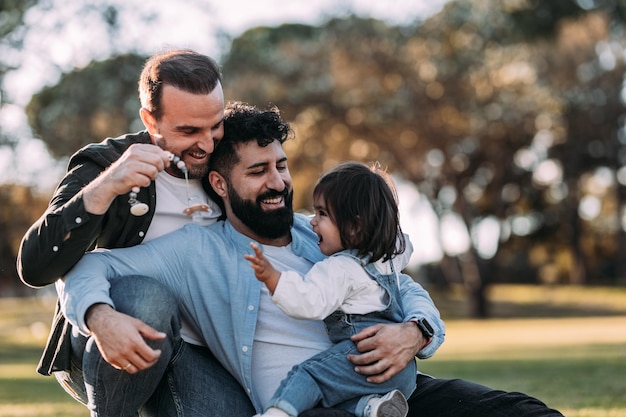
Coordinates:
column 328, row 379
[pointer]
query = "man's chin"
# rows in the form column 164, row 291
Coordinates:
column 272, row 209
column 198, row 171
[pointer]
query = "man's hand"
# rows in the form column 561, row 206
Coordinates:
column 137, row 167
column 386, row 349
column 120, row 338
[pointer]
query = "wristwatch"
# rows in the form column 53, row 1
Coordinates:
column 425, row 328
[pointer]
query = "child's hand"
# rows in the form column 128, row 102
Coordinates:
column 263, row 269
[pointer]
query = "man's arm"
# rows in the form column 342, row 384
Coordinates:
column 65, row 231
column 86, row 303
column 73, row 220
column 387, row 348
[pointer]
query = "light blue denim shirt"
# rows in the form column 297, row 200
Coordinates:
column 217, row 289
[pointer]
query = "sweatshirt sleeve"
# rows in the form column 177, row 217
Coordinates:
column 313, row 296
column 61, row 236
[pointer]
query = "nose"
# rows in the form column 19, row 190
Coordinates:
column 275, row 180
column 208, row 141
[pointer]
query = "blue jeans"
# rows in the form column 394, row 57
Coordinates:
column 459, row 398
column 329, row 378
column 187, row 380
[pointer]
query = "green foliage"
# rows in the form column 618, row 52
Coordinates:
column 12, row 15
column 540, row 19
column 457, row 105
column 20, row 209
column 11, row 38
column 471, row 106
column 88, row 105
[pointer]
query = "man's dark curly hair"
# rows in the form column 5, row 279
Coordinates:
column 244, row 123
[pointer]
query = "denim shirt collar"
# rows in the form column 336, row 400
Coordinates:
column 303, row 239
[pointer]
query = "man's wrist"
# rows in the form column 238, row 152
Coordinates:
column 98, row 196
column 425, row 329
column 95, row 313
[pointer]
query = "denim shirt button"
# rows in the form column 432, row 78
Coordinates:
column 244, row 349
column 250, row 307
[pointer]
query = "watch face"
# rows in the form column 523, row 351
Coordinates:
column 426, row 328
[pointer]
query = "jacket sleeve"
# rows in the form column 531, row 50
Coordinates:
column 417, row 304
column 61, row 236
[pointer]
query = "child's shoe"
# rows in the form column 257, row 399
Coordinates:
column 392, row 404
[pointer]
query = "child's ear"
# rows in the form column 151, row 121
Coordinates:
column 218, row 183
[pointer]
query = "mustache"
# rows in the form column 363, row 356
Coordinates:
column 273, row 193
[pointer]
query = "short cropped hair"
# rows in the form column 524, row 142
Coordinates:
column 184, row 69
column 362, row 204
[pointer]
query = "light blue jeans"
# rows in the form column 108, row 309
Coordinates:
column 187, row 381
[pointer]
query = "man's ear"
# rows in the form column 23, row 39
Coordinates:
column 218, row 182
column 149, row 121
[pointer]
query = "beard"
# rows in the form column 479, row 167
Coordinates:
column 195, row 172
column 271, row 224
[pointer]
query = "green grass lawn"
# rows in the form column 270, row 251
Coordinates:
column 574, row 361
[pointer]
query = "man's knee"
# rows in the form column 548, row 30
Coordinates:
column 146, row 299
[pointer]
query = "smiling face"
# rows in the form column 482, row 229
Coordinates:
column 190, row 126
column 326, row 229
column 258, row 193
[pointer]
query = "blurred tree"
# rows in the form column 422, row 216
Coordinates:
column 472, row 113
column 20, row 209
column 11, row 38
column 507, row 115
column 583, row 63
column 88, row 105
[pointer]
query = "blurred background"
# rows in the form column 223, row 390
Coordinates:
column 502, row 121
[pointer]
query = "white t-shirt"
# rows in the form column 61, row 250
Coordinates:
column 280, row 342
column 172, row 198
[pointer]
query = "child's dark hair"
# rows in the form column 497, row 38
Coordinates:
column 362, row 204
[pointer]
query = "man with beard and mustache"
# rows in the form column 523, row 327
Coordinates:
column 108, row 199
column 233, row 312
